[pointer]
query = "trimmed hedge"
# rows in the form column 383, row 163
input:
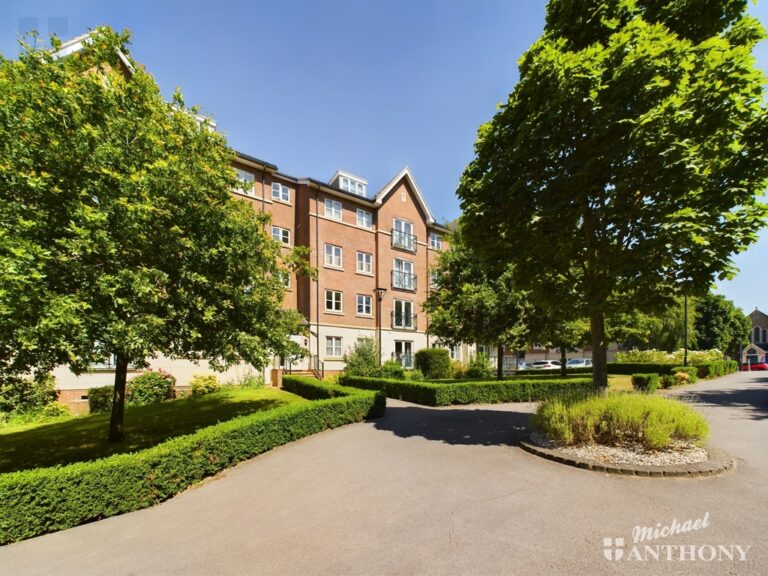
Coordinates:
column 434, row 363
column 716, row 369
column 692, row 372
column 647, row 383
column 35, row 502
column 630, row 368
column 473, row 392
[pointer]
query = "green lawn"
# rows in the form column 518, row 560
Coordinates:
column 620, row 382
column 84, row 438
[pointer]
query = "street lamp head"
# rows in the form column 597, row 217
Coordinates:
column 379, row 292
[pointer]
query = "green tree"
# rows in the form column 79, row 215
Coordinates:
column 565, row 335
column 468, row 305
column 720, row 324
column 363, row 359
column 624, row 168
column 119, row 233
column 661, row 330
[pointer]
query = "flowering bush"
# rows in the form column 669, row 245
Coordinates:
column 661, row 357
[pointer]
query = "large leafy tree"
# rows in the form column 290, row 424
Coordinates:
column 624, row 168
column 553, row 331
column 661, row 330
column 119, row 233
column 466, row 304
column 720, row 324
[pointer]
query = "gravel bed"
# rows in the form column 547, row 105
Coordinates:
column 679, row 453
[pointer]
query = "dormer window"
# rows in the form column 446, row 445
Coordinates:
column 351, row 185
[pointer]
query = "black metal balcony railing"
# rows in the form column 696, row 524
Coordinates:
column 404, row 321
column 403, row 281
column 403, row 240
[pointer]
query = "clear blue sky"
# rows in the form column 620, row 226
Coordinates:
column 366, row 86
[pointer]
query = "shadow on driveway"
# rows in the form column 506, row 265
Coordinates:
column 754, row 401
column 456, row 426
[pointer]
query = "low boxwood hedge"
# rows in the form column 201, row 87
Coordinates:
column 539, row 372
column 645, row 382
column 471, row 392
column 715, row 369
column 34, row 502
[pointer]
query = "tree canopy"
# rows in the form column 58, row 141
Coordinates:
column 466, row 304
column 625, row 167
column 720, row 324
column 119, row 233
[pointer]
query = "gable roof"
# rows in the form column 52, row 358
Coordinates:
column 405, row 173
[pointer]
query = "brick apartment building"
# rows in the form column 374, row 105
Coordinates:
column 373, row 255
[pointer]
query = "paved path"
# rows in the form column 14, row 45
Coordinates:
column 431, row 491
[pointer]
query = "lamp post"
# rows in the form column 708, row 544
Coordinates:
column 379, row 297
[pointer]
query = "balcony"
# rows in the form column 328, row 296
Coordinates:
column 403, row 241
column 402, row 321
column 403, row 281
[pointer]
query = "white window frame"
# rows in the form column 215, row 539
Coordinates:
column 403, row 304
column 361, row 218
column 364, row 301
column 334, row 259
column 281, row 192
column 241, row 176
column 336, row 299
column 404, row 230
column 364, row 265
column 435, row 241
column 406, row 360
column 283, row 235
column 286, row 277
column 406, row 264
column 333, row 209
column 336, row 348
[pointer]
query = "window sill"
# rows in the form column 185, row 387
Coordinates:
column 369, row 274
column 329, row 267
column 280, row 201
column 334, row 312
column 369, row 316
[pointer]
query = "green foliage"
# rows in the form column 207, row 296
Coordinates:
column 661, row 357
column 49, row 413
column 458, row 370
column 120, row 234
column 434, row 363
column 663, row 329
column 620, row 419
column 625, row 168
column 470, row 392
column 204, row 384
column 479, row 367
column 150, row 388
column 100, row 399
column 647, row 383
column 721, row 325
column 715, row 369
column 45, row 500
column 469, row 304
column 21, row 395
column 363, row 359
column 393, row 369
column 691, row 371
column 414, row 375
column 639, row 367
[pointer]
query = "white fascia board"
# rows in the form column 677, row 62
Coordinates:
column 405, row 173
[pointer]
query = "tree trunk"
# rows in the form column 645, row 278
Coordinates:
column 118, row 400
column 599, row 352
column 499, row 362
column 563, row 361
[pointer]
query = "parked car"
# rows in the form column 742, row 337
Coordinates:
column 545, row 365
column 753, row 367
column 522, row 365
column 579, row 363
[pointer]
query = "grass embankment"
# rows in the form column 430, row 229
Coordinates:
column 85, row 438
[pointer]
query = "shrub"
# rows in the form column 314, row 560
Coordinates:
column 715, row 369
column 100, row 399
column 23, row 395
column 252, row 381
column 691, row 371
column 458, row 370
column 363, row 359
column 50, row 413
column 150, row 388
column 414, row 376
column 34, row 502
column 471, row 392
column 393, row 369
column 641, row 367
column 619, row 419
column 479, row 367
column 661, row 357
column 434, row 363
column 647, row 383
column 204, row 384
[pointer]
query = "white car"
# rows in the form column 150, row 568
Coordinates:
column 545, row 365
column 579, row 363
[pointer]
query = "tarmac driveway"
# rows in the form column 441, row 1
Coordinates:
column 437, row 491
